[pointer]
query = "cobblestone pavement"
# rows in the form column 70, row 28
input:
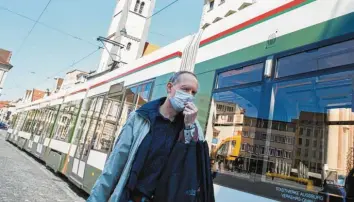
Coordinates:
column 22, row 179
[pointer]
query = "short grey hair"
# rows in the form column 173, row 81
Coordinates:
column 174, row 78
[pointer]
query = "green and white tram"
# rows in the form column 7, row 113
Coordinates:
column 280, row 75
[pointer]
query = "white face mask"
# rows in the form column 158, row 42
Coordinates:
column 180, row 99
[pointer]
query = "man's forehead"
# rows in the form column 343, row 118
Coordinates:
column 187, row 78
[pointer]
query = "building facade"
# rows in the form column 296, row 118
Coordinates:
column 129, row 29
column 5, row 66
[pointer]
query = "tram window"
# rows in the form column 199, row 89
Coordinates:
column 49, row 123
column 144, row 91
column 29, row 121
column 320, row 104
column 21, row 122
column 105, row 131
column 84, row 122
column 246, row 104
column 65, row 123
column 326, row 57
column 135, row 97
column 244, row 75
column 39, row 122
column 92, row 121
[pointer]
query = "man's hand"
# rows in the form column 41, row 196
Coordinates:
column 190, row 114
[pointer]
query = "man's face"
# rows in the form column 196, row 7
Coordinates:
column 186, row 83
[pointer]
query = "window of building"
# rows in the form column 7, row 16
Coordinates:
column 230, row 118
column 279, row 153
column 211, row 5
column 306, row 152
column 262, row 148
column 251, row 148
column 287, row 154
column 298, row 152
column 245, row 134
column 243, row 147
column 315, row 143
column 301, row 131
column 142, row 5
column 271, row 151
column 317, row 131
column 307, row 143
column 129, row 45
column 314, row 154
column 308, row 132
column 300, row 141
column 137, row 6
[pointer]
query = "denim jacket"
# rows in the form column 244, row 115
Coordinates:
column 111, row 182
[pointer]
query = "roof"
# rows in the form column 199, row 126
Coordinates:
column 5, row 57
column 4, row 104
column 37, row 94
column 76, row 70
column 149, row 48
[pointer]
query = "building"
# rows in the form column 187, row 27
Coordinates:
column 311, row 142
column 33, row 95
column 128, row 33
column 71, row 79
column 340, row 139
column 5, row 66
column 58, row 84
column 216, row 10
column 229, row 120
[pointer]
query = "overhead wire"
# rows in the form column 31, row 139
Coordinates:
column 75, row 63
column 73, row 36
column 48, row 26
column 162, row 9
column 62, row 70
column 32, row 28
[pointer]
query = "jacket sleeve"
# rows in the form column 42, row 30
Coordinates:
column 194, row 133
column 114, row 166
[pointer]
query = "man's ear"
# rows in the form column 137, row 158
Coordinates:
column 169, row 87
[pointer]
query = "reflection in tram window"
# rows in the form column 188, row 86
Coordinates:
column 39, row 122
column 29, row 121
column 91, row 123
column 321, row 104
column 49, row 122
column 66, row 120
column 135, row 97
column 317, row 59
column 83, row 124
column 21, row 120
column 236, row 143
column 105, row 130
column 244, row 75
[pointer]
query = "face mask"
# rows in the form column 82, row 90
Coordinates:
column 180, row 99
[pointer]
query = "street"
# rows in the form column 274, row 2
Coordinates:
column 24, row 179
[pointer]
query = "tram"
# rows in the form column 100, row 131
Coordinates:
column 276, row 79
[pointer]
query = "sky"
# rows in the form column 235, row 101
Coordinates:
column 47, row 53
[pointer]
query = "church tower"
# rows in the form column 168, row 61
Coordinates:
column 127, row 34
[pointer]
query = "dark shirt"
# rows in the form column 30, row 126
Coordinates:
column 154, row 150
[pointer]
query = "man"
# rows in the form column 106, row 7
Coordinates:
column 132, row 170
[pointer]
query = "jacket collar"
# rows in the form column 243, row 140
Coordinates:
column 151, row 109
